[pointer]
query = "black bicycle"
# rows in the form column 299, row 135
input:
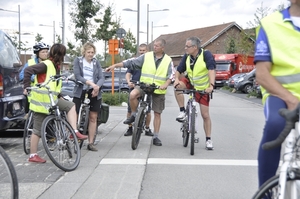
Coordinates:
column 58, row 137
column 9, row 187
column 188, row 126
column 143, row 106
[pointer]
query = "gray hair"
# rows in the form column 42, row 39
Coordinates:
column 195, row 41
column 162, row 42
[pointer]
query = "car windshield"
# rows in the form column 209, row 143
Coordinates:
column 8, row 54
column 222, row 67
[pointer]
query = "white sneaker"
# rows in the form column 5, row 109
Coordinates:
column 209, row 145
column 181, row 115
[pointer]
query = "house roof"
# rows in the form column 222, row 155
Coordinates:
column 176, row 41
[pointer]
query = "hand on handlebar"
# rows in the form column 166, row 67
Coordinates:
column 209, row 89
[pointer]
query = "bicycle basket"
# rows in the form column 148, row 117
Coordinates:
column 148, row 88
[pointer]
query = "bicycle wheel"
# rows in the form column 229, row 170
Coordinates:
column 27, row 132
column 270, row 189
column 138, row 127
column 184, row 129
column 60, row 143
column 9, row 187
column 192, row 129
column 84, row 122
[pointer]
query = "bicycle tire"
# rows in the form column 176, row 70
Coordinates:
column 269, row 188
column 60, row 143
column 27, row 132
column 84, row 123
column 9, row 181
column 138, row 127
column 185, row 126
column 192, row 130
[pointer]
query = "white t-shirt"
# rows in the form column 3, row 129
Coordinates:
column 87, row 71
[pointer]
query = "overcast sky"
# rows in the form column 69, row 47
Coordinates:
column 182, row 15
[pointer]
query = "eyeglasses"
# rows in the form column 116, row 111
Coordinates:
column 189, row 46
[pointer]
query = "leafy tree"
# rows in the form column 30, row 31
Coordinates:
column 58, row 39
column 129, row 43
column 260, row 13
column 82, row 12
column 38, row 37
column 231, row 46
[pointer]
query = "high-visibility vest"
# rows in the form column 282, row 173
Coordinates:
column 285, row 53
column 199, row 75
column 150, row 74
column 40, row 101
column 30, row 63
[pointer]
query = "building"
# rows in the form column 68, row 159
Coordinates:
column 213, row 38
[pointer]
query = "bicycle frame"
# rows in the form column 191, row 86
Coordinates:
column 191, row 104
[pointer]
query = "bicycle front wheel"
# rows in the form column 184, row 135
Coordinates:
column 138, row 127
column 9, row 187
column 84, row 122
column 27, row 132
column 192, row 129
column 270, row 189
column 60, row 143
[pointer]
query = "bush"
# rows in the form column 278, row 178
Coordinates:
column 114, row 100
column 253, row 93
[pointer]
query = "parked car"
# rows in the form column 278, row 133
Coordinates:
column 120, row 85
column 245, row 83
column 234, row 78
column 12, row 100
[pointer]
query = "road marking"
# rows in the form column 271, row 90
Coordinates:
column 172, row 161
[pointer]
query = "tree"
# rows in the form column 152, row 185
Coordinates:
column 82, row 12
column 107, row 28
column 58, row 39
column 38, row 37
column 129, row 43
column 260, row 13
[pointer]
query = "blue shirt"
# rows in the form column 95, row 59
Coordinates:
column 208, row 59
column 21, row 74
column 135, row 74
column 262, row 48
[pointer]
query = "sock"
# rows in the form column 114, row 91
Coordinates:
column 155, row 135
column 182, row 109
column 130, row 127
column 207, row 138
column 133, row 114
column 32, row 155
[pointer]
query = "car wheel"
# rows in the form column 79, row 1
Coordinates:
column 248, row 88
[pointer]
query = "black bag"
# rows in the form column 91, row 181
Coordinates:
column 103, row 114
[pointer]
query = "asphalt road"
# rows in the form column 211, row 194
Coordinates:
column 169, row 171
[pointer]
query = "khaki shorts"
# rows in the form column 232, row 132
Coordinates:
column 158, row 102
column 38, row 118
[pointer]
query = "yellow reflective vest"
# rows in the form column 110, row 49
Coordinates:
column 40, row 101
column 199, row 75
column 30, row 63
column 284, row 43
column 150, row 74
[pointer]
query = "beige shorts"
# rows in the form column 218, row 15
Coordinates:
column 38, row 118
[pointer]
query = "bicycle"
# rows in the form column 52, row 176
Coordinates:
column 9, row 187
column 286, row 184
column 58, row 137
column 143, row 106
column 188, row 126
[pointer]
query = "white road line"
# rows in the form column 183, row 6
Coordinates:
column 171, row 161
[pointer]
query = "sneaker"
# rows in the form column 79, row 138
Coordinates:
column 79, row 136
column 181, row 115
column 129, row 120
column 128, row 132
column 157, row 142
column 36, row 158
column 209, row 145
column 91, row 147
column 148, row 132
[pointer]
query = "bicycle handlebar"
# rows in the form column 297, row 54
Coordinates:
column 188, row 91
column 44, row 85
column 138, row 83
column 291, row 117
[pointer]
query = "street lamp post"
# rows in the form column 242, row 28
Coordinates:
column 19, row 25
column 138, row 23
column 53, row 30
column 152, row 22
column 155, row 27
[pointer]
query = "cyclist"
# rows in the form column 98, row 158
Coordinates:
column 135, row 75
column 156, row 67
column 43, row 71
column 41, row 54
column 200, row 67
column 88, row 70
column 277, row 71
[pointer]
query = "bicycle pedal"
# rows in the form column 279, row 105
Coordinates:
column 196, row 140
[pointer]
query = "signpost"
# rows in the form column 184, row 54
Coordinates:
column 113, row 46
